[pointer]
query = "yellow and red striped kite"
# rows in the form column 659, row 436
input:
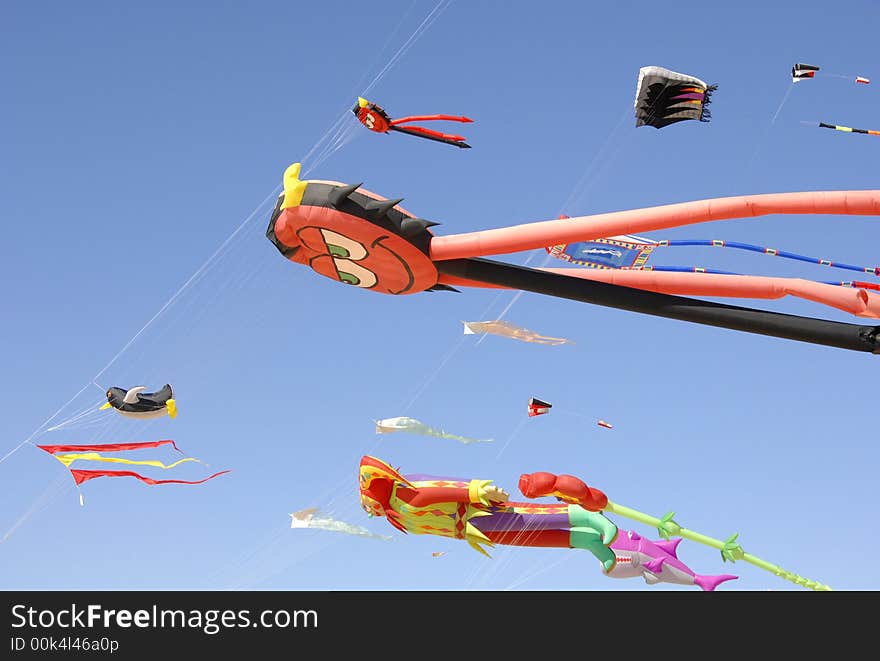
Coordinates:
column 67, row 454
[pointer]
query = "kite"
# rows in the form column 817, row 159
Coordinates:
column 390, row 425
column 801, row 71
column 135, row 403
column 616, row 252
column 358, row 238
column 537, row 407
column 480, row 513
column 506, row 329
column 67, row 454
column 847, row 129
column 376, row 119
column 607, row 425
column 664, row 97
column 306, row 519
column 438, row 554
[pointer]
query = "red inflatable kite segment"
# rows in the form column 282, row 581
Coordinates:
column 359, row 238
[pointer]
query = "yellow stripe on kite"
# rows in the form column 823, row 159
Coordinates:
column 68, row 459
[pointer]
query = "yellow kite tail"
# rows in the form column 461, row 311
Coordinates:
column 69, row 458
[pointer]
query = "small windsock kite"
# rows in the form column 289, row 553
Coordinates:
column 376, row 119
column 800, row 71
column 607, row 425
column 537, row 407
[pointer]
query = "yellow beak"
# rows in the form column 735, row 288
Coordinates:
column 106, row 406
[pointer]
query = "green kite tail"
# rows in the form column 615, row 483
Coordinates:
column 730, row 548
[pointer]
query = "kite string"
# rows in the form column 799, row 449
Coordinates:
column 84, row 413
column 391, row 36
column 128, row 344
column 427, row 381
column 45, row 422
column 578, row 191
column 329, row 136
column 541, row 569
column 60, row 486
column 186, row 284
column 763, row 137
column 439, row 8
column 779, row 109
column 341, row 135
column 510, row 437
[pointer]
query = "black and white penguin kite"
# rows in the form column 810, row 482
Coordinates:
column 135, row 403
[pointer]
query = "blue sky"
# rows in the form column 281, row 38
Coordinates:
column 139, row 141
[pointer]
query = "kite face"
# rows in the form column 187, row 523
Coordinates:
column 353, row 237
column 359, row 238
column 371, row 116
column 375, row 481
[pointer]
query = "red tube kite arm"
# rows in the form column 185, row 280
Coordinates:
column 428, row 118
column 427, row 133
column 567, row 488
column 855, row 301
column 81, row 476
column 531, row 236
column 849, row 299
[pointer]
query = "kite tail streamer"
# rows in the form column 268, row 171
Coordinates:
column 455, row 437
column 730, row 548
column 108, row 447
column 81, row 476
